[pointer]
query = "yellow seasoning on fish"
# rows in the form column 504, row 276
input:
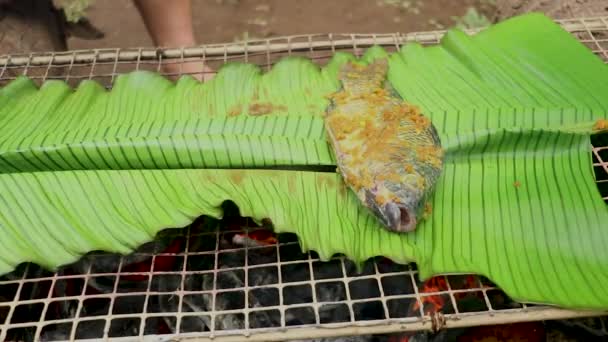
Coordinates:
column 388, row 153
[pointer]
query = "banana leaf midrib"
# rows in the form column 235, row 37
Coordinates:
column 204, row 151
column 122, row 154
column 227, row 134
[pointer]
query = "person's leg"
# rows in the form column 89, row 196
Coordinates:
column 170, row 25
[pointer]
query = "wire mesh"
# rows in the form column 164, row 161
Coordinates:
column 198, row 282
column 228, row 279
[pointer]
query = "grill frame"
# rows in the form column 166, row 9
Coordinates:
column 104, row 65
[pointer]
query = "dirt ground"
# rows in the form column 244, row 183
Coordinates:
column 223, row 21
column 220, row 21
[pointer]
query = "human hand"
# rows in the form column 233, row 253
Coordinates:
column 198, row 70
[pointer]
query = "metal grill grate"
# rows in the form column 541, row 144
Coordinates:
column 207, row 281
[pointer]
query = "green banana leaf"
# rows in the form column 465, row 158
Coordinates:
column 90, row 169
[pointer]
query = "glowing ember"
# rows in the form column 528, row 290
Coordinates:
column 432, row 303
column 162, row 263
column 436, row 285
column 250, row 234
column 256, row 238
column 399, row 338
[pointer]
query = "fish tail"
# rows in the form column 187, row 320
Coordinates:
column 360, row 78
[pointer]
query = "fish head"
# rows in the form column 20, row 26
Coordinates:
column 396, row 204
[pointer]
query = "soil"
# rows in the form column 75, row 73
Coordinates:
column 553, row 9
column 221, row 21
column 32, row 20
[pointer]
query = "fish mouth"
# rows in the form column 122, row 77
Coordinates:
column 400, row 218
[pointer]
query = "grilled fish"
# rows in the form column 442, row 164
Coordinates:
column 387, row 152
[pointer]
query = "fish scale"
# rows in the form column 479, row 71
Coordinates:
column 388, row 153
